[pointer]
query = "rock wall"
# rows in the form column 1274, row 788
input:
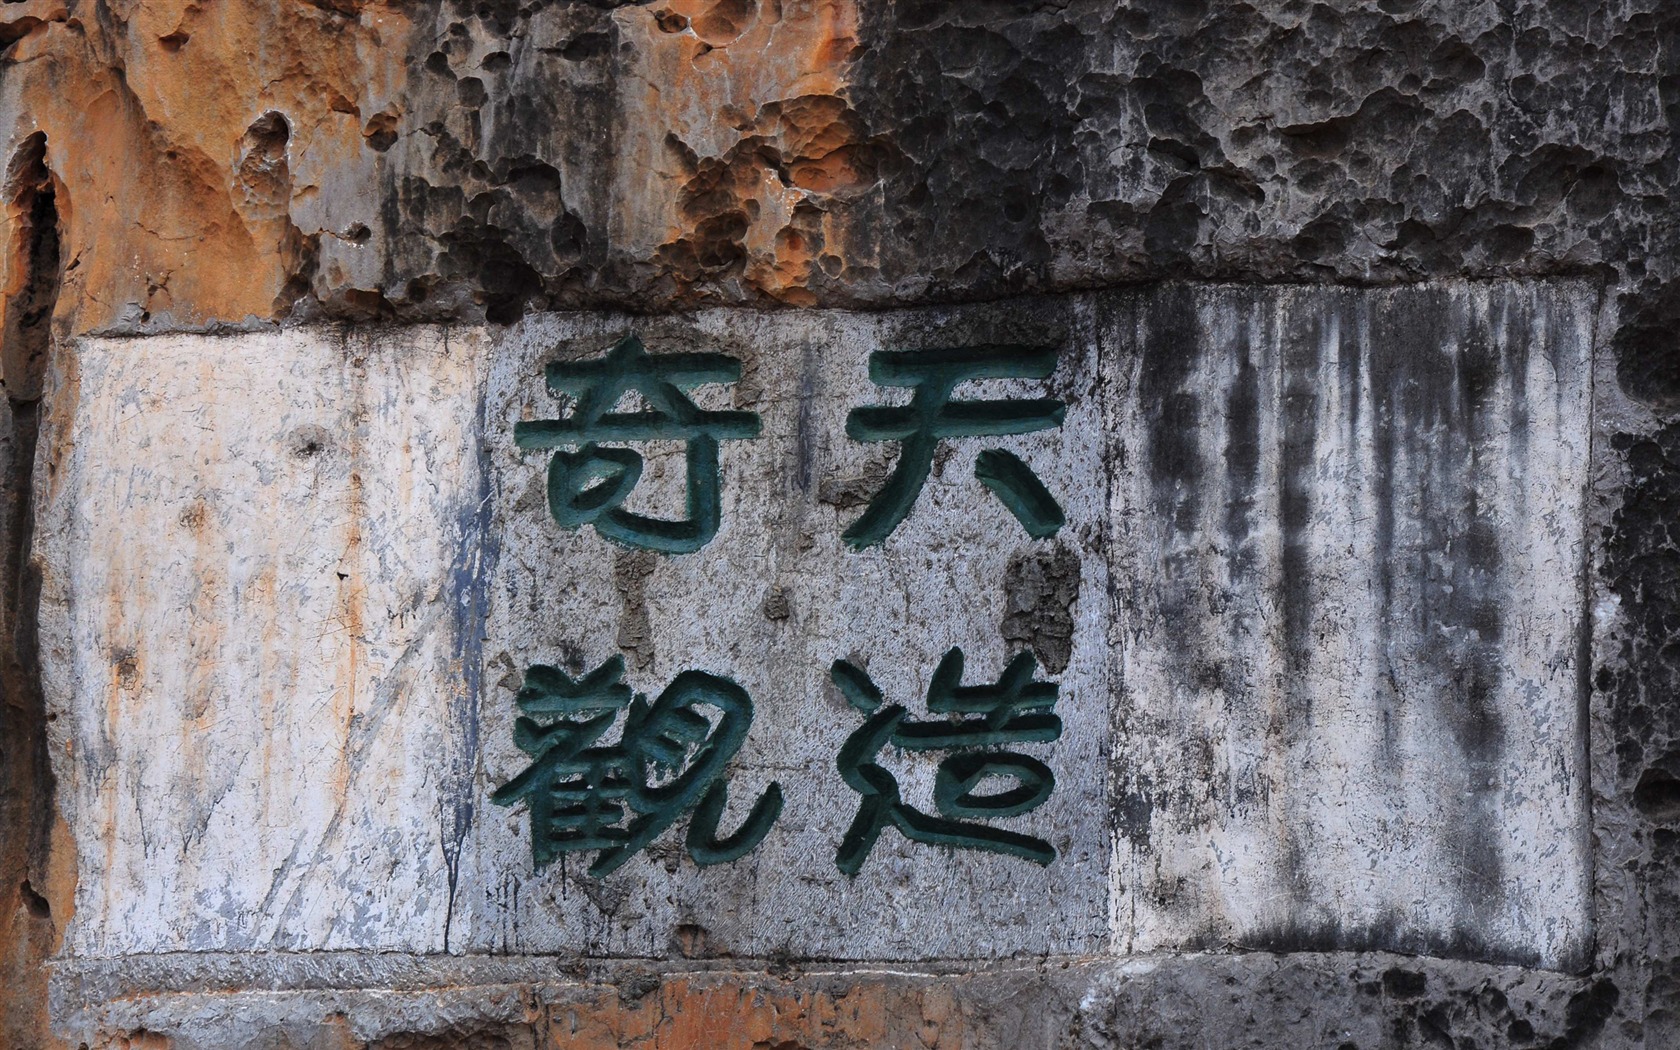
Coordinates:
column 1362, row 616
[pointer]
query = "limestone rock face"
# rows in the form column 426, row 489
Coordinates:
column 448, row 159
column 1368, row 314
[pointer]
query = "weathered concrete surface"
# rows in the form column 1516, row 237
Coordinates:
column 772, row 602
column 247, row 557
column 317, row 659
column 298, row 678
column 1352, row 619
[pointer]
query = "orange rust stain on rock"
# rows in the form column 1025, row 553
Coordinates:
column 743, row 154
column 34, row 912
column 215, row 160
column 177, row 130
column 735, row 1012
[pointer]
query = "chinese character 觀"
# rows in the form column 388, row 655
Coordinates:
column 617, row 798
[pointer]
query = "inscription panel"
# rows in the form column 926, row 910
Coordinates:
column 782, row 592
column 1170, row 618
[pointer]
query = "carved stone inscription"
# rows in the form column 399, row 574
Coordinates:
column 852, row 587
column 1173, row 618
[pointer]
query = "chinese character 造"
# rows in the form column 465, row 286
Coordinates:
column 1016, row 710
column 588, row 486
column 932, row 416
column 617, row 798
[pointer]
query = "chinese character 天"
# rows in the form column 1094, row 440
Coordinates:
column 588, row 481
column 1014, row 710
column 932, row 416
column 615, row 799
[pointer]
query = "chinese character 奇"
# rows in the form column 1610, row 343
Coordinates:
column 617, row 798
column 1015, row 710
column 932, row 416
column 589, row 486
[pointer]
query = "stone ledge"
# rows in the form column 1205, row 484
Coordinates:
column 190, row 1001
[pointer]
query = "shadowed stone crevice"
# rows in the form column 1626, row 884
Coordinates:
column 33, row 268
column 1041, row 587
column 263, row 200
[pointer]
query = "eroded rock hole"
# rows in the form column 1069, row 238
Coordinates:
column 726, row 20
column 34, row 902
column 381, row 132
column 470, row 91
column 264, row 178
column 1658, row 796
column 264, row 173
column 309, row 441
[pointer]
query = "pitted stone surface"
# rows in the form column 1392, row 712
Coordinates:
column 200, row 1001
column 447, row 160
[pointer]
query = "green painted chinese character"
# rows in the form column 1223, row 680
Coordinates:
column 932, row 416
column 1016, row 710
column 589, row 486
column 617, row 798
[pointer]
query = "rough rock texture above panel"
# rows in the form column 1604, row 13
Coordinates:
column 449, row 160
